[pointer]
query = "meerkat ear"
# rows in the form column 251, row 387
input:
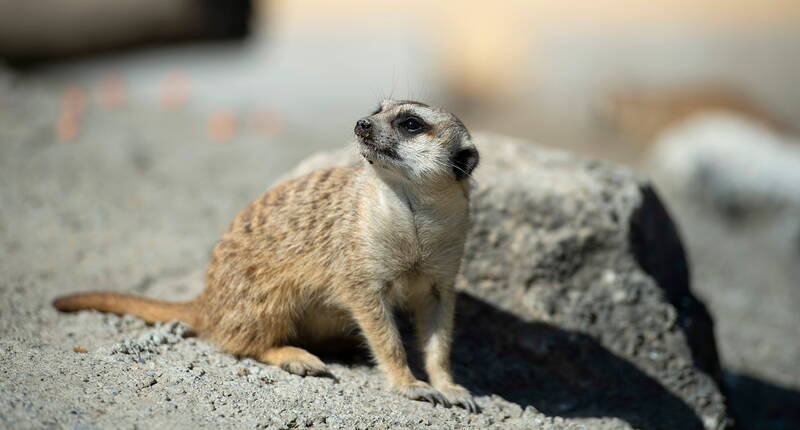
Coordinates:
column 464, row 161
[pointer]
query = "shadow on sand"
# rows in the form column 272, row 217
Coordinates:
column 558, row 372
column 760, row 405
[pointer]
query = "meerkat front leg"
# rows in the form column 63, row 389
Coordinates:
column 434, row 319
column 373, row 314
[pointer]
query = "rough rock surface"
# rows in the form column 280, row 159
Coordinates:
column 561, row 329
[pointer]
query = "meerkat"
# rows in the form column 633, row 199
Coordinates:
column 320, row 256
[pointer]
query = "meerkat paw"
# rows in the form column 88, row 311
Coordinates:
column 295, row 360
column 457, row 395
column 419, row 390
column 305, row 367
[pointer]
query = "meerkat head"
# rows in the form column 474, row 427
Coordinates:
column 416, row 142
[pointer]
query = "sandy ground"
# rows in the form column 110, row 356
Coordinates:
column 134, row 204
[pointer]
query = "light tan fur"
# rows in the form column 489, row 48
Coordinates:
column 340, row 249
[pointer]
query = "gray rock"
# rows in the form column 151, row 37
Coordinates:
column 738, row 165
column 575, row 293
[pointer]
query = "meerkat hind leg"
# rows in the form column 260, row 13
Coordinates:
column 294, row 360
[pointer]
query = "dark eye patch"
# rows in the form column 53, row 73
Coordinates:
column 412, row 125
column 409, row 123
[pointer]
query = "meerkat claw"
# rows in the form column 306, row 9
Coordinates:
column 460, row 396
column 435, row 398
column 440, row 399
column 422, row 391
column 470, row 406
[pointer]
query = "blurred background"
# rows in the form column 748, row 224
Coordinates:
column 703, row 96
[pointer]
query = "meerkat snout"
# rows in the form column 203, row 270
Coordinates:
column 363, row 127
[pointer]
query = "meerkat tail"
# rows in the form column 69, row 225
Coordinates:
column 147, row 309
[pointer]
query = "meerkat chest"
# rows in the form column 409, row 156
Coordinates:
column 421, row 236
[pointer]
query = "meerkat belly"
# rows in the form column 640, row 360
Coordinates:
column 323, row 322
column 415, row 255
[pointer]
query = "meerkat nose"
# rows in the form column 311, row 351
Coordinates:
column 363, row 127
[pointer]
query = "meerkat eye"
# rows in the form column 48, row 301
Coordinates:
column 412, row 125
